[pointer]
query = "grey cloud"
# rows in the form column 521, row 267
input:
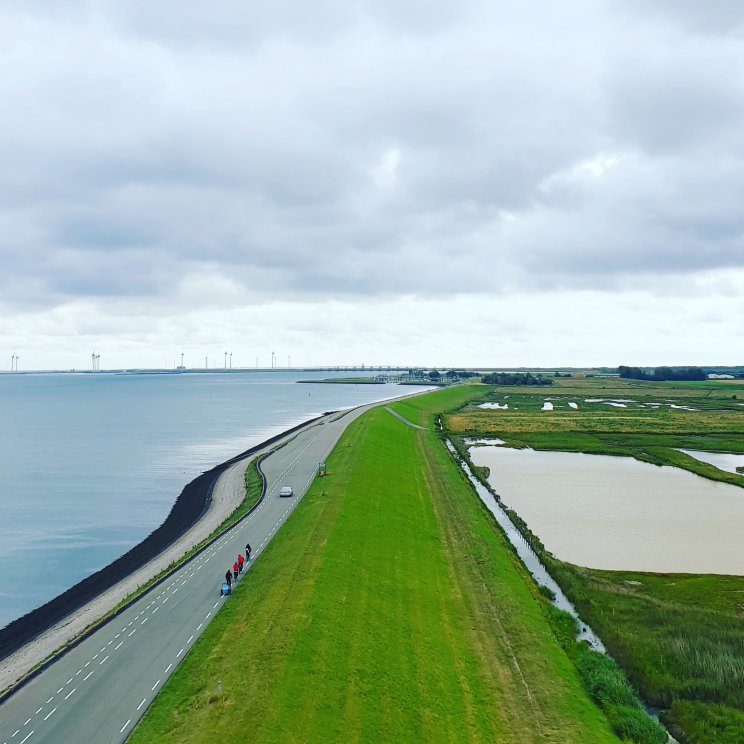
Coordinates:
column 713, row 16
column 377, row 150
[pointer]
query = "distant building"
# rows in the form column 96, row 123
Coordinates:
column 714, row 376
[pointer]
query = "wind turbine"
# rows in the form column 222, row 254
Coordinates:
column 225, row 360
column 231, row 360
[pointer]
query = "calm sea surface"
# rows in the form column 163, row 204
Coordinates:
column 91, row 464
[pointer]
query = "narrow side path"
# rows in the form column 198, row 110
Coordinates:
column 405, row 420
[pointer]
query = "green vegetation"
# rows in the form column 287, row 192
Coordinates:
column 388, row 608
column 606, row 684
column 647, row 427
column 425, row 410
column 679, row 638
column 662, row 373
column 517, row 378
column 714, row 724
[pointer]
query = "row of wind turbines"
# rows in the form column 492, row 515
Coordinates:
column 96, row 361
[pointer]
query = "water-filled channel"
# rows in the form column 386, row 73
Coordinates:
column 525, row 552
column 619, row 513
column 722, row 460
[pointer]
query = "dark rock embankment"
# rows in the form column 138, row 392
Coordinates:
column 192, row 503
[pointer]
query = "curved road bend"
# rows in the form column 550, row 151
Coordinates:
column 99, row 690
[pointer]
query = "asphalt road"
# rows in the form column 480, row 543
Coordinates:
column 99, row 690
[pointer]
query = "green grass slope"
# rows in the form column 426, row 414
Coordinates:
column 680, row 637
column 388, row 608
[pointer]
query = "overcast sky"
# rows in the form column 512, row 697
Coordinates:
column 391, row 181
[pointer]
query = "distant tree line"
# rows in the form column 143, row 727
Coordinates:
column 516, row 378
column 662, row 373
column 451, row 375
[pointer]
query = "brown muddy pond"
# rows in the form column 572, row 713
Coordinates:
column 619, row 513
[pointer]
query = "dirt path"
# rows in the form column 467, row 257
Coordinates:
column 405, row 420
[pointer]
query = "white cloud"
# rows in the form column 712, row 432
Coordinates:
column 171, row 171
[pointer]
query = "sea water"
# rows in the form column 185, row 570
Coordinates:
column 92, row 463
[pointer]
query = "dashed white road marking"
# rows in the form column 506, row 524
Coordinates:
column 204, row 559
column 121, row 643
column 50, row 700
column 38, row 710
column 26, row 738
column 27, row 721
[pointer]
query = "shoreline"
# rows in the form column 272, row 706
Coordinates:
column 40, row 636
column 37, row 639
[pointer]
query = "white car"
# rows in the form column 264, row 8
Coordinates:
column 286, row 491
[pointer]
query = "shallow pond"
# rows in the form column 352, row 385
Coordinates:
column 722, row 460
column 619, row 513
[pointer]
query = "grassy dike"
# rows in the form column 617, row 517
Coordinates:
column 388, row 608
column 678, row 637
